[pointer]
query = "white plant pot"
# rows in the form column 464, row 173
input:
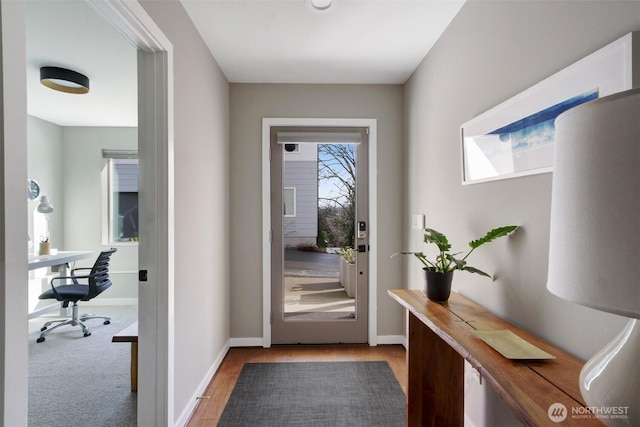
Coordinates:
column 348, row 277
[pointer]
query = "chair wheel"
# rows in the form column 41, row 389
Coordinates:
column 40, row 339
column 44, row 328
column 107, row 322
column 86, row 334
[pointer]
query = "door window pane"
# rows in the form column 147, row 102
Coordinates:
column 319, row 284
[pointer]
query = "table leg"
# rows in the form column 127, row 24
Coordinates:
column 435, row 388
column 134, row 367
column 63, row 271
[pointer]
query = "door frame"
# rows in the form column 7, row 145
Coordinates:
column 155, row 98
column 267, row 123
column 14, row 347
column 156, row 246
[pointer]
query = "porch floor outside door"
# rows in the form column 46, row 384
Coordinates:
column 312, row 288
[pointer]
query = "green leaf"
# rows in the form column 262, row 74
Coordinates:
column 439, row 239
column 475, row 270
column 460, row 263
column 445, row 261
column 492, row 235
column 421, row 257
column 407, row 253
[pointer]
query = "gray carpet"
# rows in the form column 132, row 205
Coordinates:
column 316, row 394
column 82, row 381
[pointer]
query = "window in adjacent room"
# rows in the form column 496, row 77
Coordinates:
column 289, row 201
column 120, row 196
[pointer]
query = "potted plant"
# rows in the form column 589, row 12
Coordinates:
column 438, row 272
column 348, row 270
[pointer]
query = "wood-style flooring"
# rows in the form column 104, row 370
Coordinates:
column 210, row 407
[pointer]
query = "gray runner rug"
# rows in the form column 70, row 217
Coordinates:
column 316, row 394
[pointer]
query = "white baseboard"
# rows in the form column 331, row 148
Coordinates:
column 258, row 342
column 202, row 387
column 110, row 301
column 392, row 339
column 247, row 342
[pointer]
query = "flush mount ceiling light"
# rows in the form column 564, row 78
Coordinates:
column 64, row 80
column 322, row 6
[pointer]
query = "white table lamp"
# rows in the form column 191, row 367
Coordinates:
column 45, row 207
column 594, row 253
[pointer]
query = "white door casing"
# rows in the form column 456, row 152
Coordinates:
column 155, row 100
column 13, row 217
column 156, row 201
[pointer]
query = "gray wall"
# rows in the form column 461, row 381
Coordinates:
column 249, row 104
column 201, row 144
column 492, row 51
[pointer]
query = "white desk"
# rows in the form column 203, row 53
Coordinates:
column 58, row 264
column 62, row 258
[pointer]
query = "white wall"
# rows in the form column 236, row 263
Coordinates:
column 45, row 165
column 67, row 163
column 201, row 146
column 249, row 104
column 492, row 51
column 82, row 202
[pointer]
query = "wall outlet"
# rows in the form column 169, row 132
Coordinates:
column 417, row 221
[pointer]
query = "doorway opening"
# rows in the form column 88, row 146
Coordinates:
column 319, row 188
column 155, row 130
column 76, row 150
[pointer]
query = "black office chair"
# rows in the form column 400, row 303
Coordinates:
column 97, row 281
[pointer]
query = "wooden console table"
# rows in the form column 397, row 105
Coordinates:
column 441, row 338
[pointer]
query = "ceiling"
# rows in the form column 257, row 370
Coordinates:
column 70, row 34
column 284, row 41
column 253, row 41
